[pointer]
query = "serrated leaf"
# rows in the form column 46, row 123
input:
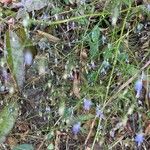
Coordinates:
column 8, row 117
column 24, row 147
column 15, row 57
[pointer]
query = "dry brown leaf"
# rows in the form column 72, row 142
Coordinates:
column 128, row 128
column 83, row 58
column 147, row 130
column 146, row 93
column 23, row 136
column 83, row 55
column 12, row 142
column 6, row 1
column 76, row 82
column 88, row 148
column 23, row 127
column 96, row 147
column 50, row 37
column 57, row 140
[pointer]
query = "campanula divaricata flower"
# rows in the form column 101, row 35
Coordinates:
column 138, row 88
column 139, row 138
column 99, row 113
column 87, row 104
column 76, row 128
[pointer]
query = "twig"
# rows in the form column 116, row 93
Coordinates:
column 57, row 140
column 40, row 146
column 89, row 134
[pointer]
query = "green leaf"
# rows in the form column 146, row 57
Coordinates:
column 66, row 1
column 93, row 49
column 91, row 76
column 82, row 118
column 16, row 43
column 8, row 47
column 22, row 36
column 8, row 117
column 109, row 53
column 51, row 147
column 83, row 21
column 94, row 41
column 24, row 147
column 25, row 41
column 15, row 57
column 128, row 2
column 95, row 34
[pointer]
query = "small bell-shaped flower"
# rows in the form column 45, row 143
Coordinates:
column 87, row 104
column 139, row 138
column 76, row 128
column 138, row 88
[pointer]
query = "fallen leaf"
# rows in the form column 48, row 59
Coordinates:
column 128, row 128
column 23, row 136
column 23, row 127
column 76, row 82
column 50, row 37
column 11, row 21
column 88, row 148
column 83, row 56
column 6, row 1
column 147, row 130
column 12, row 142
column 96, row 147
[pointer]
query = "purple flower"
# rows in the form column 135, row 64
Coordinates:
column 99, row 113
column 138, row 88
column 87, row 104
column 76, row 128
column 139, row 138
